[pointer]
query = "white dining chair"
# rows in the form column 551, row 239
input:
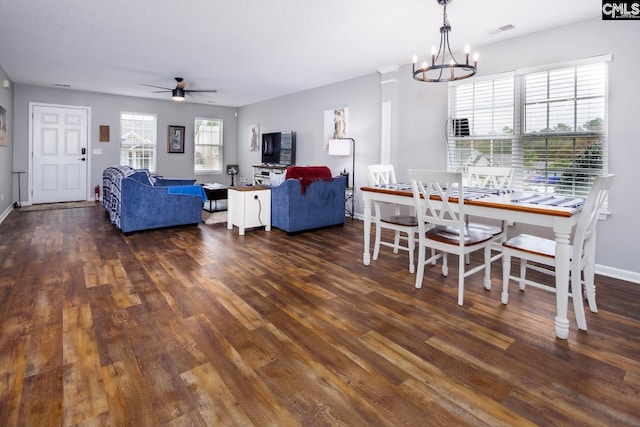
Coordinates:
column 441, row 226
column 493, row 177
column 542, row 251
column 498, row 177
column 404, row 227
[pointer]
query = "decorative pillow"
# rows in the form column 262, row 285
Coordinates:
column 276, row 178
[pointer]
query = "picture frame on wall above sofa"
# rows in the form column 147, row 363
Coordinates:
column 175, row 139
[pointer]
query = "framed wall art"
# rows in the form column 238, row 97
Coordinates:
column 104, row 133
column 3, row 126
column 175, row 143
column 254, row 143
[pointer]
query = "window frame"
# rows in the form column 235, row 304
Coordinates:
column 516, row 141
column 153, row 141
column 219, row 145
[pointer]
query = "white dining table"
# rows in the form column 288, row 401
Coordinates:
column 500, row 207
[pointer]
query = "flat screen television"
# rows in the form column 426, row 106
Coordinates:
column 279, row 148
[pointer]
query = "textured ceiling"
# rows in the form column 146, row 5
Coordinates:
column 248, row 50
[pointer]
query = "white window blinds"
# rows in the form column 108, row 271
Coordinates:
column 549, row 124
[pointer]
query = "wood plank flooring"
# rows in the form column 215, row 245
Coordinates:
column 198, row 326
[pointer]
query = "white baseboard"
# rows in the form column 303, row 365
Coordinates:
column 6, row 213
column 616, row 273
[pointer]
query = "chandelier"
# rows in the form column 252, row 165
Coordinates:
column 440, row 70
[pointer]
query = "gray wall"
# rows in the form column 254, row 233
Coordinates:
column 303, row 113
column 105, row 110
column 6, row 152
column 418, row 136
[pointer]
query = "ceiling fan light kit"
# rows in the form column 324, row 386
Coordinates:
column 441, row 70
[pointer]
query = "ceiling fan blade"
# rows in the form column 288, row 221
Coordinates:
column 159, row 87
column 161, row 91
column 201, row 90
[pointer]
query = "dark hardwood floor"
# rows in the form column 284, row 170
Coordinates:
column 199, row 326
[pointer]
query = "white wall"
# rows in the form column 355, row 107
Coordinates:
column 105, row 110
column 418, row 141
column 6, row 152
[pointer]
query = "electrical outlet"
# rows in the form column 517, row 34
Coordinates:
column 1, row 197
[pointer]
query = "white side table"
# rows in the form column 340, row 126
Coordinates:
column 248, row 207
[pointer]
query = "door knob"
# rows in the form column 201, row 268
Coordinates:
column 82, row 158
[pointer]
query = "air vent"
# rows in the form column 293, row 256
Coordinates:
column 500, row 30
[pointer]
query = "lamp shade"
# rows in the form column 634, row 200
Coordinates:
column 339, row 147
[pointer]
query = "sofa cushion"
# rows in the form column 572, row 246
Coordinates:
column 142, row 176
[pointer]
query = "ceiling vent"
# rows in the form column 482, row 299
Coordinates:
column 501, row 30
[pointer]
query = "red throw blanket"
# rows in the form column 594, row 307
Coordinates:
column 308, row 174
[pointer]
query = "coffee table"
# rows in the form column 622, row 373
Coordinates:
column 214, row 193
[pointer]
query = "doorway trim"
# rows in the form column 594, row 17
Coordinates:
column 32, row 106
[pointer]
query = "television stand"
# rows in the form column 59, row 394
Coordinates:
column 261, row 172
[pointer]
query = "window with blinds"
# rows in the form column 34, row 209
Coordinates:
column 138, row 140
column 549, row 124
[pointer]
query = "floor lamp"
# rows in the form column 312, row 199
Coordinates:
column 343, row 147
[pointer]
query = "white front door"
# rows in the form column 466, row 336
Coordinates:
column 60, row 153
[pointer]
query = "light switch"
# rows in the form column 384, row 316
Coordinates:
column 96, row 151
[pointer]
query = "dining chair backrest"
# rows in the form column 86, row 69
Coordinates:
column 380, row 175
column 490, row 177
column 433, row 192
column 586, row 226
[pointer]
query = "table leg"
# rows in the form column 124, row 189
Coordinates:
column 366, row 256
column 563, row 263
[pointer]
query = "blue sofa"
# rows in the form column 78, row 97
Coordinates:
column 321, row 205
column 134, row 202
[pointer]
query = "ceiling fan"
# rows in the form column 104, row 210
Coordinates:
column 179, row 92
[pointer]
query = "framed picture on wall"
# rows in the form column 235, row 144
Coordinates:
column 3, row 126
column 175, row 143
column 254, row 142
